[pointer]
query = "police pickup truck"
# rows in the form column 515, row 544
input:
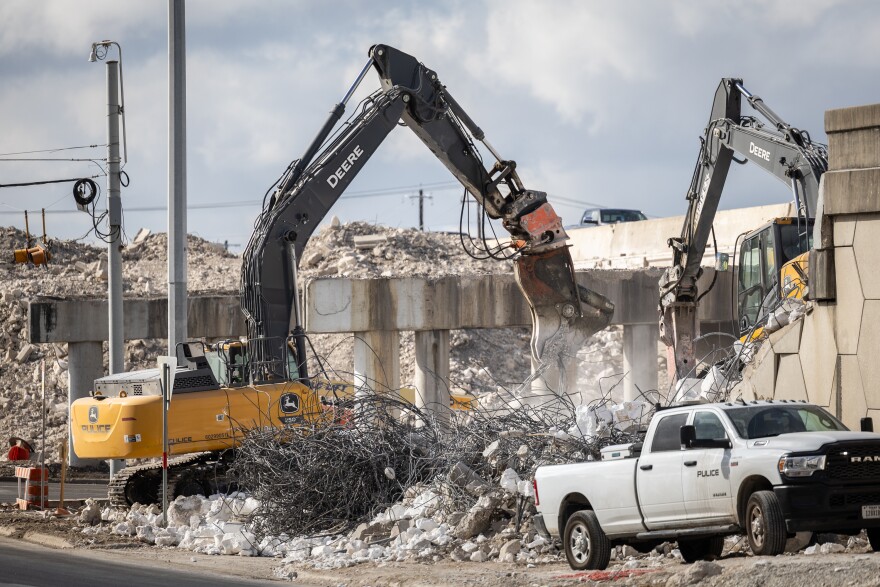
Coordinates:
column 768, row 469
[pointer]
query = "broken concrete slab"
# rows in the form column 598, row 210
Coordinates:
column 141, row 236
column 369, row 241
column 25, row 353
column 478, row 519
column 787, row 340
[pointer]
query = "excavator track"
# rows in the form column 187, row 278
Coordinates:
column 187, row 475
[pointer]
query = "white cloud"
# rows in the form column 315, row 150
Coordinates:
column 62, row 27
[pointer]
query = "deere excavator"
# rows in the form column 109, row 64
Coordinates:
column 773, row 260
column 222, row 391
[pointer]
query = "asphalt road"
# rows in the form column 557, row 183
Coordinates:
column 9, row 491
column 34, row 566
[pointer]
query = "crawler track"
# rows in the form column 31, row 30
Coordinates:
column 197, row 473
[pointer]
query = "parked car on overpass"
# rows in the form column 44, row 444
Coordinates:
column 601, row 216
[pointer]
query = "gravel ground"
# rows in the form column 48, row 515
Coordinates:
column 858, row 566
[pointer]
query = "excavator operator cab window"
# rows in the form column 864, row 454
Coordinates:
column 750, row 286
column 793, row 242
column 292, row 365
column 761, row 259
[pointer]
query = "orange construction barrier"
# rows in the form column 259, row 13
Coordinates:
column 33, row 487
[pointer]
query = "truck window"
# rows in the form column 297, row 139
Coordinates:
column 763, row 421
column 708, row 426
column 667, row 435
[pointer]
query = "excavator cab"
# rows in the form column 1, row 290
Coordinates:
column 771, row 266
column 229, row 361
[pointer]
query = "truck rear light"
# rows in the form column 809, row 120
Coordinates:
column 535, row 487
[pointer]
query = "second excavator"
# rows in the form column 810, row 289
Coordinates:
column 773, row 258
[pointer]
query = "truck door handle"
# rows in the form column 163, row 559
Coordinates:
column 690, row 463
column 646, row 467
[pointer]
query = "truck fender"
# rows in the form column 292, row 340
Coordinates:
column 571, row 503
column 748, row 486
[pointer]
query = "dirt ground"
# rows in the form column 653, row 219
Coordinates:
column 860, row 568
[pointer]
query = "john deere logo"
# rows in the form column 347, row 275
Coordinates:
column 289, row 403
column 93, row 414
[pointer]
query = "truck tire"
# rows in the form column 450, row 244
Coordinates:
column 765, row 525
column 697, row 549
column 874, row 538
column 586, row 545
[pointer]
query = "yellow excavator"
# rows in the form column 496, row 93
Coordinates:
column 774, row 258
column 220, row 393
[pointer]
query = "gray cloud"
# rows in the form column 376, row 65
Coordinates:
column 597, row 101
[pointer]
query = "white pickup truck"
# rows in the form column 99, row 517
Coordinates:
column 769, row 469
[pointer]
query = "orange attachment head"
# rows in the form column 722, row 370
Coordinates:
column 36, row 255
column 39, row 256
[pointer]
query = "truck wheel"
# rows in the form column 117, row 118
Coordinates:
column 874, row 538
column 765, row 525
column 705, row 548
column 586, row 545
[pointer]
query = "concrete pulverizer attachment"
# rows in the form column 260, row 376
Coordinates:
column 564, row 315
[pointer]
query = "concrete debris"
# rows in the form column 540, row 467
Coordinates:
column 699, row 571
column 369, row 241
column 25, row 353
column 141, row 236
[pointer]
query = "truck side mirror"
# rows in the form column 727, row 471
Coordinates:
column 722, row 262
column 867, row 424
column 687, row 434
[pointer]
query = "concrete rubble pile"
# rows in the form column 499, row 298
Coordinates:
column 481, row 360
column 462, row 487
column 79, row 270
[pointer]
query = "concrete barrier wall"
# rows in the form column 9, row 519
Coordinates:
column 830, row 356
column 643, row 244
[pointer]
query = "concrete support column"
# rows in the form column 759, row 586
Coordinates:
column 377, row 360
column 639, row 359
column 85, row 363
column 432, row 372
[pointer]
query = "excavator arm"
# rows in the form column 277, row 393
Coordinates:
column 785, row 152
column 563, row 313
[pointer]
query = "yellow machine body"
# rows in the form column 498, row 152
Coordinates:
column 130, row 427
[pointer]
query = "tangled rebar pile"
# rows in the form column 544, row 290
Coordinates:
column 328, row 477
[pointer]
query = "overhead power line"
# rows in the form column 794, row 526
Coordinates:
column 52, row 150
column 393, row 191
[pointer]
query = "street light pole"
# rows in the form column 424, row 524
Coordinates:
column 177, row 310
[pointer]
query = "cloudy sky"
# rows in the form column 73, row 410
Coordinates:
column 599, row 102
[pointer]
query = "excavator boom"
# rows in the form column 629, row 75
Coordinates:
column 412, row 93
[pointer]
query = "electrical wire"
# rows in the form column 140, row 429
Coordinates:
column 51, row 150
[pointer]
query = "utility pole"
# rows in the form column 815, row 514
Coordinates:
column 114, row 216
column 116, row 339
column 422, row 198
column 177, row 311
column 421, row 210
